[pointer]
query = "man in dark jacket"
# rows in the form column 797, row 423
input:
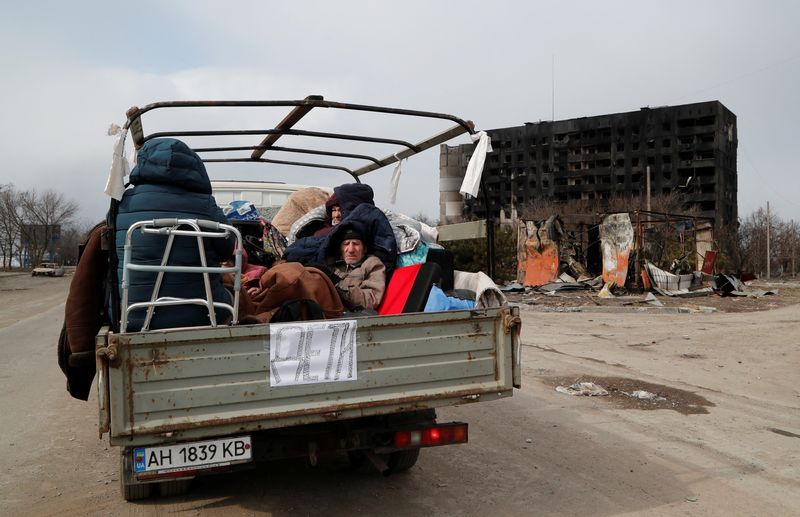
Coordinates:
column 170, row 181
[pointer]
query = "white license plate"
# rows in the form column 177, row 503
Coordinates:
column 192, row 455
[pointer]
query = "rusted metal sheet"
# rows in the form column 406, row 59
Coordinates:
column 101, row 365
column 538, row 261
column 616, row 239
column 704, row 242
column 194, row 383
column 542, row 266
column 709, row 259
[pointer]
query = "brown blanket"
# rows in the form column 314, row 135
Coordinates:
column 84, row 307
column 298, row 205
column 291, row 281
column 83, row 316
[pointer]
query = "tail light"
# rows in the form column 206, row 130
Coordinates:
column 444, row 434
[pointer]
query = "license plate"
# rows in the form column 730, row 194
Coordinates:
column 192, row 455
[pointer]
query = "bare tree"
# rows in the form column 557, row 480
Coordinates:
column 541, row 209
column 43, row 216
column 784, row 240
column 71, row 238
column 9, row 224
column 785, row 247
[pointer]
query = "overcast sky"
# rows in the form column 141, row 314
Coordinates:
column 69, row 69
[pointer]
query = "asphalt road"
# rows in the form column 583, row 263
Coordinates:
column 726, row 441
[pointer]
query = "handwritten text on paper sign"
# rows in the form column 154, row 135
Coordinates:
column 312, row 352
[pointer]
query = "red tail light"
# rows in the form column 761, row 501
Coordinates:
column 444, row 434
column 402, row 439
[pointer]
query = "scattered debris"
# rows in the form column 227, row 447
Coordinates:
column 669, row 284
column 594, row 282
column 564, row 277
column 615, row 309
column 726, row 284
column 652, row 300
column 589, row 389
column 784, row 433
column 553, row 287
column 605, row 292
column 729, row 285
column 582, row 296
column 641, row 345
column 620, row 389
column 513, row 287
column 706, row 310
column 643, row 395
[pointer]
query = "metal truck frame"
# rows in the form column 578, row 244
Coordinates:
column 167, row 396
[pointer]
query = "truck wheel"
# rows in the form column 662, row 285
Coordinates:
column 131, row 490
column 173, row 488
column 402, row 460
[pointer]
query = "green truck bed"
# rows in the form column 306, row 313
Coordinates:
column 182, row 384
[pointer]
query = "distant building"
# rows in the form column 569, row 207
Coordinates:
column 690, row 149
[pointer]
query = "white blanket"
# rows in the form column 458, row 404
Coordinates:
column 487, row 294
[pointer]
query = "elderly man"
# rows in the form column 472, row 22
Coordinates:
column 362, row 277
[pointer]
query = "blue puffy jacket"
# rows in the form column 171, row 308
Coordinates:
column 170, row 180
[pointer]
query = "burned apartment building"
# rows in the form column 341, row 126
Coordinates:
column 690, row 149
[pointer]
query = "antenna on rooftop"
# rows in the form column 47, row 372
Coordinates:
column 553, row 87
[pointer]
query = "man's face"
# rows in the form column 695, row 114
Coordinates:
column 352, row 251
column 336, row 215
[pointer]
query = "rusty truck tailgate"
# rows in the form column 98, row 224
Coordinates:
column 193, row 383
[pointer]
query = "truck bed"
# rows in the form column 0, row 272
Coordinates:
column 179, row 384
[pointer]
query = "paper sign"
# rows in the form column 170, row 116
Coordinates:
column 312, row 352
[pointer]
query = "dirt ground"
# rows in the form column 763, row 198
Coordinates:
column 720, row 437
